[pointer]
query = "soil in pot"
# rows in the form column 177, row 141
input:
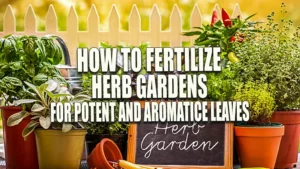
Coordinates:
column 119, row 139
column 258, row 146
column 59, row 150
column 288, row 151
column 18, row 152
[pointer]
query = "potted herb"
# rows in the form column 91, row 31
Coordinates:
column 273, row 57
column 258, row 140
column 24, row 58
column 59, row 145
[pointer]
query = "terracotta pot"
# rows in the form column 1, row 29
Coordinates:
column 18, row 152
column 59, row 150
column 258, row 146
column 120, row 140
column 288, row 151
column 104, row 152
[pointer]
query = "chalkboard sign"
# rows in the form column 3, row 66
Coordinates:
column 181, row 145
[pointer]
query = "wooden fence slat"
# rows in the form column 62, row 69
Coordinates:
column 114, row 26
column 72, row 36
column 30, row 21
column 217, row 7
column 155, row 27
column 175, row 27
column 237, row 12
column 134, row 26
column 195, row 21
column 51, row 20
column 93, row 27
column 9, row 21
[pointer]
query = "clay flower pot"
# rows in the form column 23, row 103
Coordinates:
column 18, row 152
column 104, row 152
column 92, row 140
column 258, row 146
column 288, row 151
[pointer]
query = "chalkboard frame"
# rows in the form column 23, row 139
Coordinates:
column 228, row 150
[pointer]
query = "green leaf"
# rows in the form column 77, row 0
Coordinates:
column 40, row 79
column 193, row 33
column 218, row 24
column 45, row 122
column 37, row 107
column 35, row 117
column 16, row 66
column 58, row 55
column 24, row 101
column 16, row 118
column 34, row 88
column 52, row 85
column 66, row 127
column 29, row 129
column 81, row 98
column 250, row 17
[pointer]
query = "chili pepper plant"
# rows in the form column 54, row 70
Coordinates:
column 223, row 33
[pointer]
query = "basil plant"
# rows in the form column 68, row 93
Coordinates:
column 37, row 107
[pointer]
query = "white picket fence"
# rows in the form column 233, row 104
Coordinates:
column 134, row 36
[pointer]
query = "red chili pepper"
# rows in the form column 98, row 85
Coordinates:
column 232, row 39
column 226, row 19
column 214, row 18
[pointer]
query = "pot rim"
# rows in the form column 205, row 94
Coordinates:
column 276, row 125
column 269, row 131
column 287, row 112
column 10, row 107
column 287, row 117
column 56, row 132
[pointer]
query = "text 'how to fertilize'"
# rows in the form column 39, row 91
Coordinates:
column 174, row 79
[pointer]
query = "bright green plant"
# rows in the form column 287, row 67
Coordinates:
column 273, row 57
column 41, row 98
column 27, row 58
column 261, row 101
column 221, row 85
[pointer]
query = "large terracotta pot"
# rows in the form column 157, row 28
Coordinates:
column 18, row 152
column 104, row 152
column 288, row 151
column 258, row 146
column 59, row 150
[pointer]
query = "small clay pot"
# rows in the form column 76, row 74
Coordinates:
column 104, row 152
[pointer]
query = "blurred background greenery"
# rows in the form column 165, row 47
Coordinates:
column 261, row 7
